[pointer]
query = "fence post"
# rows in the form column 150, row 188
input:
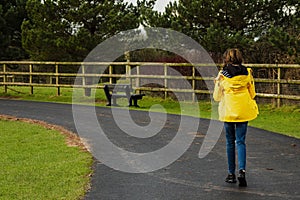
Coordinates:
column 86, row 92
column 110, row 71
column 166, row 80
column 193, row 83
column 30, row 79
column 128, row 74
column 4, row 78
column 57, row 80
column 128, row 67
column 137, row 81
column 278, row 85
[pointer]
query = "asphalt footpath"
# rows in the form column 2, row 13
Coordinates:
column 273, row 160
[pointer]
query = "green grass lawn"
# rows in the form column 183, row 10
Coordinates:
column 36, row 163
column 284, row 120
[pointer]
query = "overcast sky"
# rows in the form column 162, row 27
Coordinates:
column 159, row 6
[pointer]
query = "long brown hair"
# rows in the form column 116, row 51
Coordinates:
column 233, row 56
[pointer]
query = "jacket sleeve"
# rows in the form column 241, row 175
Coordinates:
column 251, row 86
column 218, row 91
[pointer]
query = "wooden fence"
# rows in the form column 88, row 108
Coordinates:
column 64, row 74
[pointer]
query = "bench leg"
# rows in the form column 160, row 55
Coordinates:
column 134, row 102
column 130, row 101
column 108, row 96
column 108, row 102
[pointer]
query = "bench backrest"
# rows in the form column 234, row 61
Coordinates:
column 119, row 88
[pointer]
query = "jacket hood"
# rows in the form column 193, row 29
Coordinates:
column 238, row 81
column 231, row 70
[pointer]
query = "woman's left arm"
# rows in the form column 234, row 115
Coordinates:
column 218, row 91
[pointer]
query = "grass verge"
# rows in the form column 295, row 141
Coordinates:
column 282, row 120
column 36, row 163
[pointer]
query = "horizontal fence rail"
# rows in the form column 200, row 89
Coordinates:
column 275, row 81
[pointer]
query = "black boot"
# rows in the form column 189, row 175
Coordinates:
column 242, row 178
column 230, row 178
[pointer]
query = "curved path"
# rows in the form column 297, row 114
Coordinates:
column 273, row 166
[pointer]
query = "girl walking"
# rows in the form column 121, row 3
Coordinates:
column 235, row 92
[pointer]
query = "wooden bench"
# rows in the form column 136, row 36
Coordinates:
column 115, row 91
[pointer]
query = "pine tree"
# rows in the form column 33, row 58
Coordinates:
column 12, row 14
column 69, row 30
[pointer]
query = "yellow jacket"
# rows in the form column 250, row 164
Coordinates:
column 236, row 98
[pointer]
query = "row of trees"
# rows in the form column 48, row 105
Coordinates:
column 12, row 15
column 67, row 30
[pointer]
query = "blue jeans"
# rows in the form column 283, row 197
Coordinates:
column 236, row 136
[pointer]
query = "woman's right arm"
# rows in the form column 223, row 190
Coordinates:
column 251, row 87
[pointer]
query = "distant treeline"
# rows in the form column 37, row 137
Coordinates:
column 267, row 31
